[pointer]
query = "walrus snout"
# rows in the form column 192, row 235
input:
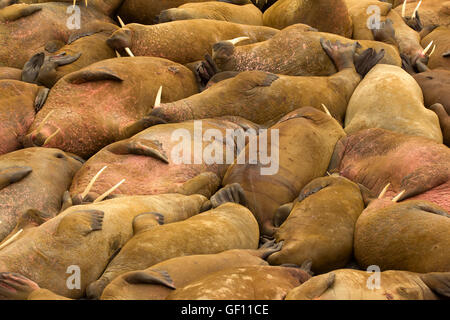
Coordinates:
column 166, row 16
column 42, row 137
column 120, row 39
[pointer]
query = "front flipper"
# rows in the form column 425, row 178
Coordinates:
column 230, row 193
column 32, row 67
column 14, row 286
column 13, row 174
column 150, row 277
column 149, row 148
column 269, row 248
column 140, row 125
column 88, row 75
column 205, row 70
column 206, row 183
column 282, row 214
column 41, row 97
column 17, row 11
column 338, row 154
column 423, row 179
column 365, row 61
column 146, row 221
column 81, row 222
column 438, row 282
column 315, row 186
column 427, row 207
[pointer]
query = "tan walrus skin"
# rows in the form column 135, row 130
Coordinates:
column 33, row 178
column 348, row 284
column 107, row 7
column 229, row 226
column 441, row 57
column 7, row 73
column 247, row 14
column 183, row 41
column 325, row 15
column 43, row 23
column 400, row 108
column 81, row 50
column 158, row 281
column 321, row 225
column 430, row 12
column 306, row 141
column 150, row 160
column 88, row 236
column 375, row 157
column 263, row 97
column 293, row 51
column 412, row 235
column 97, row 105
column 19, row 102
column 244, row 283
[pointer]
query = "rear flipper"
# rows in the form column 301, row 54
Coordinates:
column 365, row 61
column 315, row 287
column 414, row 22
column 158, row 277
column 141, row 147
column 341, row 54
column 206, row 184
column 17, row 11
column 282, row 214
column 230, row 193
column 385, row 33
column 438, row 282
column 205, row 70
column 14, row 286
column 146, row 221
column 423, row 179
column 140, row 125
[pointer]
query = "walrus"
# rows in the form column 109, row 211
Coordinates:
column 110, row 95
column 183, row 41
column 324, row 15
column 306, row 141
column 246, row 14
column 19, row 102
column 321, row 225
column 415, row 166
column 153, row 163
column 444, row 121
column 399, row 107
column 263, row 97
column 229, row 226
column 429, row 12
column 435, row 85
column 348, row 284
column 87, row 237
column 107, row 7
column 412, row 235
column 178, row 272
column 441, row 56
column 293, row 51
column 147, row 11
column 244, row 283
column 27, row 183
column 82, row 50
column 44, row 22
column 7, row 73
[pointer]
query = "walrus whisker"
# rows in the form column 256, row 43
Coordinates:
column 43, row 121
column 424, row 52
column 11, row 239
column 404, row 9
column 383, row 192
column 51, row 136
column 91, row 183
column 107, row 193
column 416, row 9
column 395, row 199
column 237, row 40
column 326, row 110
column 127, row 50
column 158, row 97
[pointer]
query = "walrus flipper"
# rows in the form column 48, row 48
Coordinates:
column 205, row 183
column 421, row 180
column 140, row 125
column 438, row 282
column 14, row 286
column 14, row 174
column 365, row 61
column 313, row 187
column 230, row 193
column 82, row 222
column 140, row 147
column 282, row 213
column 32, row 218
column 336, row 157
column 147, row 220
column 17, row 11
column 32, row 67
column 88, row 75
column 143, row 277
column 431, row 208
column 40, row 99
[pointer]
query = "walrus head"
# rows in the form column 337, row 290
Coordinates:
column 120, row 40
column 222, row 52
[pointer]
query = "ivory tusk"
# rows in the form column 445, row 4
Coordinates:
column 127, row 50
column 395, row 199
column 432, row 51
column 43, row 121
column 237, row 40
column 11, row 239
column 424, row 52
column 107, row 193
column 51, row 136
column 326, row 110
column 383, row 192
column 91, row 183
column 158, row 97
column 416, row 9
column 404, row 9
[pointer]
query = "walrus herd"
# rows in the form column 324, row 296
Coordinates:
column 224, row 150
